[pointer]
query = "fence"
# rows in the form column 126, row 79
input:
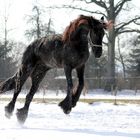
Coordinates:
column 132, row 83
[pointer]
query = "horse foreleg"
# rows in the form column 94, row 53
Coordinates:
column 21, row 77
column 66, row 104
column 36, row 77
column 80, row 75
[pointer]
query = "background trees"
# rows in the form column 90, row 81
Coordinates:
column 112, row 10
column 134, row 58
column 116, row 59
column 7, row 65
column 36, row 26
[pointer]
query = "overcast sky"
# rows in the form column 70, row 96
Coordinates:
column 18, row 9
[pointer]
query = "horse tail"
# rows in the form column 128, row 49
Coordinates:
column 27, row 64
column 9, row 84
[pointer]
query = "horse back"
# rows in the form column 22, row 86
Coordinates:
column 49, row 50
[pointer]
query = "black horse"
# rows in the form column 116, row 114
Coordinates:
column 69, row 51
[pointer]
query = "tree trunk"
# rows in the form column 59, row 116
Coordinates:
column 121, row 59
column 110, row 81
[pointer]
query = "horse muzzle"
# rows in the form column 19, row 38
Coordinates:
column 97, row 51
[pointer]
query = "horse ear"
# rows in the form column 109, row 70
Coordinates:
column 102, row 19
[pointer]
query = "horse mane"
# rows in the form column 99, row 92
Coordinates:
column 73, row 25
column 84, row 20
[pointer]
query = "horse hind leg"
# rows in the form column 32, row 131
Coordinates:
column 36, row 77
column 21, row 77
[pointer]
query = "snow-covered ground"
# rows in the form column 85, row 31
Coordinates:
column 96, row 121
column 92, row 94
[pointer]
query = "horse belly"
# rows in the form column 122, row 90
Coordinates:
column 52, row 61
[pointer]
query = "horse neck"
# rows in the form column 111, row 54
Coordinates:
column 79, row 39
column 83, row 43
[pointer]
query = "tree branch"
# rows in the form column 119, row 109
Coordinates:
column 88, row 2
column 78, row 8
column 119, row 6
column 100, row 3
column 136, row 23
column 122, row 25
column 128, row 31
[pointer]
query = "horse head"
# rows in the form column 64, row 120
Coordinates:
column 96, row 34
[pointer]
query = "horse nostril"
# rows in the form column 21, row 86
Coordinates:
column 98, row 55
column 97, row 51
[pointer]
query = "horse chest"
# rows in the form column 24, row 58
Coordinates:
column 76, row 58
column 83, row 57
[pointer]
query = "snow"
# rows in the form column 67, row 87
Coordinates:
column 96, row 121
column 92, row 94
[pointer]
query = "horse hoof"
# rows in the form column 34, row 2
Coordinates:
column 66, row 109
column 8, row 111
column 8, row 115
column 73, row 105
column 21, row 115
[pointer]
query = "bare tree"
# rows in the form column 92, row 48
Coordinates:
column 6, row 30
column 6, row 62
column 38, row 28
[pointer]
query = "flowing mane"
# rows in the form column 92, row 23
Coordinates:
column 84, row 20
column 73, row 25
